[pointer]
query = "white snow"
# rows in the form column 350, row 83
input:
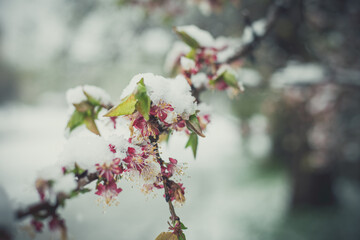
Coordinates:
column 297, row 73
column 51, row 172
column 226, row 68
column 187, row 64
column 86, row 150
column 178, row 49
column 76, row 95
column 65, row 184
column 155, row 41
column 174, row 91
column 258, row 27
column 249, row 77
column 199, row 79
column 203, row 37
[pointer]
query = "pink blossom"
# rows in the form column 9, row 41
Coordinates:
column 145, row 127
column 113, row 119
column 135, row 160
column 56, row 223
column 108, row 191
column 112, row 148
column 161, row 110
column 109, row 170
column 38, row 226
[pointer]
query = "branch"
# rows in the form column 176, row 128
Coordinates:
column 248, row 48
column 46, row 208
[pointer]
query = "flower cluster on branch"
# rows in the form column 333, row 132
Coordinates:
column 122, row 141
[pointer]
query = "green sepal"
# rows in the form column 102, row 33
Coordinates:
column 186, row 38
column 194, row 125
column 143, row 100
column 126, row 107
column 193, row 143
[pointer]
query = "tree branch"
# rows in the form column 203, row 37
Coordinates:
column 248, row 48
column 46, row 208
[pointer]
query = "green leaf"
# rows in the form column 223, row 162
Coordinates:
column 191, row 54
column 230, row 80
column 91, row 125
column 92, row 100
column 182, row 236
column 183, row 226
column 193, row 143
column 75, row 193
column 194, row 125
column 76, row 119
column 78, row 170
column 186, row 38
column 126, row 107
column 83, row 107
column 143, row 100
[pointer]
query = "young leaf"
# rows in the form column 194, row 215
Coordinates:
column 92, row 100
column 167, row 236
column 183, row 226
column 182, row 236
column 143, row 100
column 187, row 39
column 82, row 107
column 126, row 107
column 191, row 54
column 76, row 119
column 230, row 80
column 194, row 125
column 193, row 143
column 91, row 125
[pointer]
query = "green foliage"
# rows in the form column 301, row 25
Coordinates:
column 194, row 125
column 126, row 107
column 75, row 193
column 85, row 113
column 228, row 78
column 143, row 100
column 186, row 38
column 139, row 100
column 76, row 119
column 182, row 236
column 183, row 226
column 193, row 143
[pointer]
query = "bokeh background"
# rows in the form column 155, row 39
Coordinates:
column 281, row 161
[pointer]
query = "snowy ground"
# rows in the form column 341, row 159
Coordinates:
column 226, row 199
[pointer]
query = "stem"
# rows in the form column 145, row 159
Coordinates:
column 174, row 217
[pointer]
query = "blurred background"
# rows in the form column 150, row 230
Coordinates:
column 281, row 161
